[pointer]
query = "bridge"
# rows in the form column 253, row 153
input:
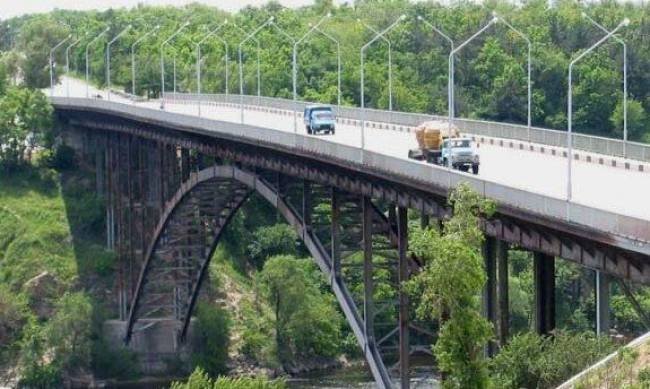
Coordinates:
column 173, row 180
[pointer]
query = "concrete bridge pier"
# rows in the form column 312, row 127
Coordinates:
column 544, row 279
column 602, row 303
column 495, row 295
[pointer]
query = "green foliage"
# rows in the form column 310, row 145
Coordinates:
column 201, row 380
column 448, row 287
column 306, row 321
column 25, row 115
column 13, row 316
column 211, row 339
column 108, row 362
column 273, row 240
column 68, row 331
column 533, row 361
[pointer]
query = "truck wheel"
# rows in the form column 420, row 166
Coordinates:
column 463, row 168
column 308, row 130
column 475, row 169
column 444, row 162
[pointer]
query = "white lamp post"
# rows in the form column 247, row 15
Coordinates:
column 133, row 70
column 451, row 67
column 390, row 62
column 622, row 42
column 162, row 63
column 530, row 47
column 198, row 61
column 101, row 34
column 624, row 23
column 451, row 48
column 108, row 59
column 295, row 68
column 67, row 64
column 241, row 66
column 52, row 62
column 362, row 52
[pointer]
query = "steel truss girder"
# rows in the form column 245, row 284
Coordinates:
column 608, row 254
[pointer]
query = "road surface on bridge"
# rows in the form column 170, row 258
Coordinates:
column 625, row 192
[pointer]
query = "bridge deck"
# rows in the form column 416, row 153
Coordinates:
column 622, row 192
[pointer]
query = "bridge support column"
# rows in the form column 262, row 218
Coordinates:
column 336, row 236
column 368, row 282
column 544, row 275
column 404, row 343
column 502, row 292
column 602, row 303
column 490, row 290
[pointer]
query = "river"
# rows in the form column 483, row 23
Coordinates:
column 355, row 377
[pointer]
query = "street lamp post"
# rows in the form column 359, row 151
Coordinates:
column 133, row 78
column 530, row 46
column 52, row 62
column 108, row 59
column 390, row 62
column 622, row 42
column 67, row 64
column 295, row 68
column 451, row 48
column 293, row 41
column 338, row 65
column 87, row 61
column 162, row 63
column 198, row 61
column 258, row 55
column 622, row 24
column 451, row 68
column 362, row 51
column 241, row 66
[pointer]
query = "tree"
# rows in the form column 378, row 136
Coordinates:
column 306, row 321
column 68, row 331
column 272, row 240
column 637, row 120
column 211, row 338
column 25, row 115
column 37, row 37
column 447, row 289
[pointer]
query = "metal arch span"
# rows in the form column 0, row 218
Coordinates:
column 170, row 282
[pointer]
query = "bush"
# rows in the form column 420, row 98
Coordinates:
column 68, row 332
column 61, row 158
column 110, row 363
column 534, row 361
column 13, row 314
column 201, row 380
column 41, row 377
column 211, row 339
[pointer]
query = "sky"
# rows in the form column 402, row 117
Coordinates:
column 10, row 8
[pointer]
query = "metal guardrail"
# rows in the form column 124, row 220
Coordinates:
column 594, row 144
column 623, row 226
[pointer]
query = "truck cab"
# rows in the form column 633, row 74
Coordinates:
column 460, row 153
column 319, row 118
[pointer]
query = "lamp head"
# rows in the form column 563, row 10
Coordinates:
column 225, row 21
column 358, row 20
column 583, row 14
column 271, row 19
column 157, row 27
column 494, row 20
column 626, row 22
column 107, row 29
column 402, row 17
column 419, row 17
column 329, row 14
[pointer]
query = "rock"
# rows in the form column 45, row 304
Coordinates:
column 42, row 290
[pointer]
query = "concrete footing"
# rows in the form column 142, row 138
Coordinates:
column 155, row 342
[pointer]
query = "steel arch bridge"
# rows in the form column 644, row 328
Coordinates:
column 171, row 189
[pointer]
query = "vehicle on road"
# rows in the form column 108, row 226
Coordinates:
column 319, row 118
column 441, row 145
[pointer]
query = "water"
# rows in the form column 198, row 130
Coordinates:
column 354, row 377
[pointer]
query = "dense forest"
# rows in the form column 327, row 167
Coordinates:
column 490, row 72
column 267, row 309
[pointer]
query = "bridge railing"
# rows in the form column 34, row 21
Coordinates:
column 589, row 143
column 633, row 228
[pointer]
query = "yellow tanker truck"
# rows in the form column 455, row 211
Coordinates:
column 441, row 145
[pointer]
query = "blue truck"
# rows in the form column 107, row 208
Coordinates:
column 319, row 118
